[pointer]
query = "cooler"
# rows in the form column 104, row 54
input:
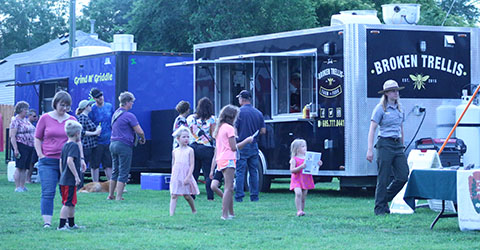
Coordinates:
column 155, row 181
column 451, row 154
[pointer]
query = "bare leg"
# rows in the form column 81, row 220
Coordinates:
column 22, row 177
column 47, row 219
column 214, row 187
column 304, row 197
column 111, row 189
column 16, row 177
column 71, row 212
column 95, row 174
column 298, row 199
column 173, row 204
column 191, row 202
column 227, row 201
column 120, row 187
column 28, row 179
column 64, row 212
column 108, row 173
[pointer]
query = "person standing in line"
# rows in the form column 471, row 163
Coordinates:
column 391, row 158
column 32, row 118
column 89, row 136
column 124, row 127
column 202, row 124
column 101, row 114
column 183, row 109
column 70, row 175
column 250, row 120
column 49, row 139
column 225, row 155
column 21, row 137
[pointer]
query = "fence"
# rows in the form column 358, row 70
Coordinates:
column 7, row 113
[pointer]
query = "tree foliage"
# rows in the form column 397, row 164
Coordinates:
column 175, row 25
column 110, row 17
column 27, row 24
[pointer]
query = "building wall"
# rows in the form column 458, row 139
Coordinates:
column 7, row 94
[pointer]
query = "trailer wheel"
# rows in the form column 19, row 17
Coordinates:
column 264, row 181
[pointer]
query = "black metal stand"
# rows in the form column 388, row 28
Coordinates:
column 441, row 215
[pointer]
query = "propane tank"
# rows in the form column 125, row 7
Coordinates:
column 445, row 119
column 470, row 135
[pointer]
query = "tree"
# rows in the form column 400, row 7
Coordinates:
column 177, row 25
column 27, row 24
column 110, row 17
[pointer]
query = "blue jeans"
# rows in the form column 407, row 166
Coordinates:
column 49, row 171
column 121, row 160
column 248, row 159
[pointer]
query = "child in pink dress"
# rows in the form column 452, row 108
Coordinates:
column 182, row 182
column 300, row 183
column 225, row 155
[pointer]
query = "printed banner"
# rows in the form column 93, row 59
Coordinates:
column 468, row 199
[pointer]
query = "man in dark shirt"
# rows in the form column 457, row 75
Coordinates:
column 249, row 121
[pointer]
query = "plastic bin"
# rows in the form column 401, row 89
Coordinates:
column 155, row 181
column 11, row 171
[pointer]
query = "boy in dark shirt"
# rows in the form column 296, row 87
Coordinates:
column 70, row 175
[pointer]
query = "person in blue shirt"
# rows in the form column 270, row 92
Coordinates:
column 249, row 121
column 101, row 114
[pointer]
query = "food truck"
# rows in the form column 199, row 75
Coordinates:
column 157, row 90
column 336, row 73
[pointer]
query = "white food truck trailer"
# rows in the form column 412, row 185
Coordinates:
column 338, row 70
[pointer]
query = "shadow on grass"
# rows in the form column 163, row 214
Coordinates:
column 364, row 193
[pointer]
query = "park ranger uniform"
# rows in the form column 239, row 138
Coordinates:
column 390, row 156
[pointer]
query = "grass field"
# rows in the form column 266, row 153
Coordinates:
column 334, row 220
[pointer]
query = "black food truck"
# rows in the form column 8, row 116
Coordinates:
column 337, row 72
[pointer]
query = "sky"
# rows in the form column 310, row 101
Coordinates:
column 79, row 5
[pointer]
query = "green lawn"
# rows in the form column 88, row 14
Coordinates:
column 334, row 220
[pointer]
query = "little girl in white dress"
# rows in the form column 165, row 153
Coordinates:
column 182, row 182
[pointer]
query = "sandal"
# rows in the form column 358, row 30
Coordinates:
column 300, row 213
column 111, row 197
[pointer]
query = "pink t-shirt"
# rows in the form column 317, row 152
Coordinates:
column 52, row 134
column 224, row 152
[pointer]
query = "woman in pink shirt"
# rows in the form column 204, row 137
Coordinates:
column 225, row 155
column 21, row 136
column 49, row 139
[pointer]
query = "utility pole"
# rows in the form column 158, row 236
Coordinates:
column 72, row 29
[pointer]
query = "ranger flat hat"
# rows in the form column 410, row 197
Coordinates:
column 390, row 85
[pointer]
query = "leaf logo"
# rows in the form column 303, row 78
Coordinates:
column 474, row 188
column 419, row 81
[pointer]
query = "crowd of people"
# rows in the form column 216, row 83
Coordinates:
column 223, row 148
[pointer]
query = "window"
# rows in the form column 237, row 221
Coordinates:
column 295, row 84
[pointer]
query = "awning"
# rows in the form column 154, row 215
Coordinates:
column 292, row 53
column 197, row 62
column 44, row 81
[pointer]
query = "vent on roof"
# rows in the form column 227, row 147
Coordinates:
column 65, row 35
column 61, row 36
column 3, row 61
column 63, row 42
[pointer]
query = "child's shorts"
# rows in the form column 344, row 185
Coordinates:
column 222, row 164
column 69, row 195
column 218, row 176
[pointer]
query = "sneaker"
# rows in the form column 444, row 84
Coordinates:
column 19, row 190
column 64, row 228
column 25, row 189
column 223, row 218
column 46, row 225
column 75, row 227
column 231, row 216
